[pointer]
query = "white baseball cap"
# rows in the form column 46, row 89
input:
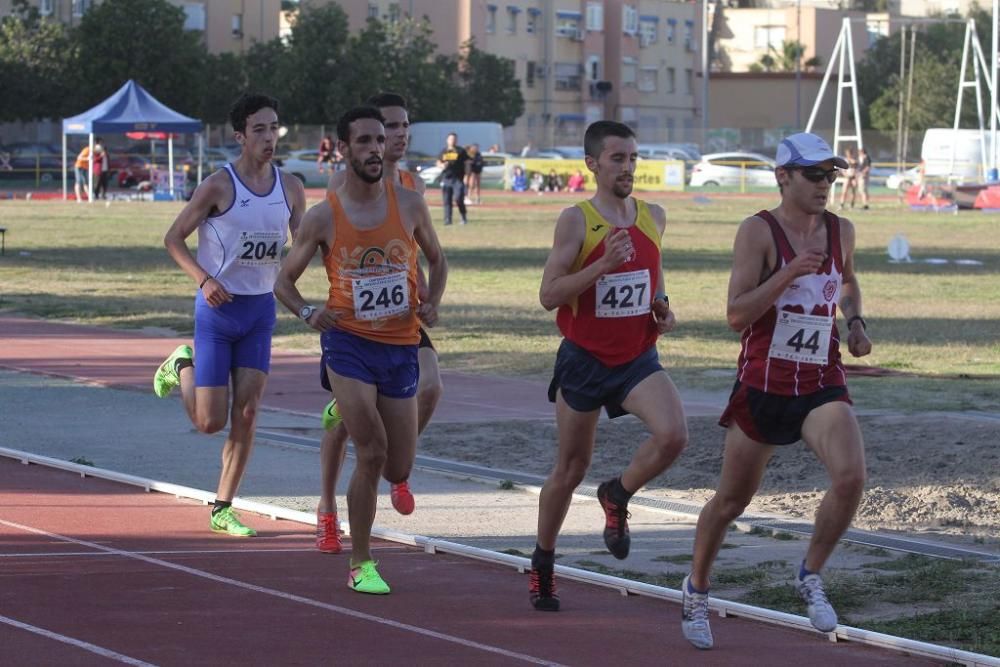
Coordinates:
column 805, row 150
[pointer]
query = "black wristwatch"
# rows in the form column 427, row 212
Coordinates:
column 851, row 320
column 664, row 298
column 306, row 312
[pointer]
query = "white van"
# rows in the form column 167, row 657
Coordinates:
column 936, row 152
column 429, row 138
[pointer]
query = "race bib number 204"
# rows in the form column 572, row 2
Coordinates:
column 379, row 297
column 259, row 248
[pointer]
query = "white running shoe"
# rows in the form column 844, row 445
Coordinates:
column 821, row 613
column 694, row 618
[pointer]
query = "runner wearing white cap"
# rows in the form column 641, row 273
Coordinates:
column 793, row 267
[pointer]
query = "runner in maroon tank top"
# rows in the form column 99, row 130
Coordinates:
column 793, row 268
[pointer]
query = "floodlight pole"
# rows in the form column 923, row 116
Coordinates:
column 995, row 16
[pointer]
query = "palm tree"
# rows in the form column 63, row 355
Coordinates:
column 791, row 51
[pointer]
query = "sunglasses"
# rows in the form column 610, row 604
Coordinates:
column 816, row 174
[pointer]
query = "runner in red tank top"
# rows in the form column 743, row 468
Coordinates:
column 429, row 387
column 792, row 267
column 366, row 232
column 604, row 275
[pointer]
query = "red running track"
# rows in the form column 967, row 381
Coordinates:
column 99, row 573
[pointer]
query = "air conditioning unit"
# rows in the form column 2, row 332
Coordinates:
column 577, row 35
column 645, row 40
column 690, row 45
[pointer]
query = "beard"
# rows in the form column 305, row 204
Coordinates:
column 622, row 190
column 359, row 169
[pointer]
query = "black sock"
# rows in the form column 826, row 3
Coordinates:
column 182, row 362
column 543, row 559
column 220, row 505
column 619, row 494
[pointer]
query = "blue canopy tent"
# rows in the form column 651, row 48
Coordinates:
column 130, row 109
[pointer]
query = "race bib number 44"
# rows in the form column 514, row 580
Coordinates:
column 379, row 297
column 623, row 294
column 802, row 338
column 260, row 248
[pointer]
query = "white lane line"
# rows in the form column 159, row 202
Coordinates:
column 87, row 646
column 164, row 552
column 406, row 627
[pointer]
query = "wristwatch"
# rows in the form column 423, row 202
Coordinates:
column 664, row 298
column 306, row 312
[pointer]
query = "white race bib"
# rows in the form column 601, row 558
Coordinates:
column 379, row 297
column 802, row 338
column 623, row 294
column 259, row 248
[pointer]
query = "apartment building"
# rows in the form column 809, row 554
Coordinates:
column 228, row 25
column 577, row 60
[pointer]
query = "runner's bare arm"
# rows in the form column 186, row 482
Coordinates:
column 858, row 343
column 315, row 233
column 559, row 286
column 212, row 196
column 749, row 298
column 337, row 179
column 297, row 200
column 437, row 265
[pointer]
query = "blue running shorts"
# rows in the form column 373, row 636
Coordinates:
column 393, row 369
column 234, row 335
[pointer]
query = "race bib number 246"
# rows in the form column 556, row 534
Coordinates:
column 379, row 297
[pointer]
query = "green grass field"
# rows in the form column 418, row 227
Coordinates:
column 937, row 325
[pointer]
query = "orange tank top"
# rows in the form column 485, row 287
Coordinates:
column 373, row 276
column 406, row 178
column 83, row 159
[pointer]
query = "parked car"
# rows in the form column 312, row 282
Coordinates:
column 24, row 160
column 734, row 168
column 493, row 171
column 214, row 158
column 303, row 165
column 669, row 152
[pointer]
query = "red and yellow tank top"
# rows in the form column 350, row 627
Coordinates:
column 373, row 276
column 611, row 319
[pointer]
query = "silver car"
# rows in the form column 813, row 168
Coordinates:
column 733, row 168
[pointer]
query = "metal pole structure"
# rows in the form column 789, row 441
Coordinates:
column 65, row 183
column 704, row 74
column 90, row 170
column 826, row 79
column 902, row 79
column 970, row 26
column 798, row 64
column 909, row 91
column 849, row 48
column 992, row 175
column 170, row 162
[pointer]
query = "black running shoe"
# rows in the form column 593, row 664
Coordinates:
column 542, row 589
column 616, row 517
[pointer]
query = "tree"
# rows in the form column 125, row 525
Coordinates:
column 785, row 61
column 35, row 59
column 143, row 40
column 308, row 76
column 487, row 89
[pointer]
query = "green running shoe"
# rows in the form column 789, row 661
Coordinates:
column 331, row 416
column 166, row 377
column 228, row 521
column 365, row 579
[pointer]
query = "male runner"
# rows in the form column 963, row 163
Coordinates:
column 369, row 232
column 604, row 276
column 242, row 213
column 429, row 388
column 791, row 267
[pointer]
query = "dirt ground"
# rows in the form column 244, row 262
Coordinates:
column 927, row 474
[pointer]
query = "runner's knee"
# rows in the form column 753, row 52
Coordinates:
column 670, row 442
column 210, row 423
column 371, row 457
column 430, row 393
column 571, row 471
column 729, row 508
column 850, row 484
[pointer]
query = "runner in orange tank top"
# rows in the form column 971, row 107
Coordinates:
column 604, row 275
column 429, row 387
column 368, row 232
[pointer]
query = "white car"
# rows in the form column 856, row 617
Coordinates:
column 493, row 171
column 734, row 168
column 302, row 164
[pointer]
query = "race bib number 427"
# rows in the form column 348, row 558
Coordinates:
column 379, row 297
column 623, row 294
column 801, row 338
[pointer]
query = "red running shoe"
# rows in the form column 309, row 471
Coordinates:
column 401, row 498
column 327, row 533
column 616, row 536
column 542, row 589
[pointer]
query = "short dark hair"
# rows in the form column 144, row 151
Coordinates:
column 382, row 100
column 593, row 140
column 247, row 105
column 357, row 113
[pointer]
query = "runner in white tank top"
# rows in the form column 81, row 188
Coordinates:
column 243, row 214
column 241, row 247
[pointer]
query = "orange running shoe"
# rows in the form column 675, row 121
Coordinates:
column 401, row 498
column 327, row 533
column 542, row 589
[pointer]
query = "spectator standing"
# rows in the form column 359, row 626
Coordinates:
column 850, row 178
column 473, row 181
column 864, row 175
column 455, row 166
column 326, row 156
